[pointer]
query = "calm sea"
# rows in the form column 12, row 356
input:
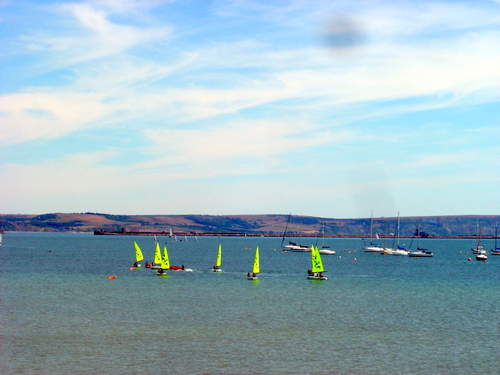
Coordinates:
column 60, row 315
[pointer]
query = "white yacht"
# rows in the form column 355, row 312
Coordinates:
column 420, row 253
column 399, row 250
column 373, row 247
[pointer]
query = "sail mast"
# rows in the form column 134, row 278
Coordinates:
column 496, row 235
column 371, row 225
column 286, row 227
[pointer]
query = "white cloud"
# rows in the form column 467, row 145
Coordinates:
column 237, row 141
column 94, row 37
column 28, row 116
column 127, row 6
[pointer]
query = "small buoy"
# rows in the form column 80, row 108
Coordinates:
column 132, row 268
column 469, row 259
column 111, row 277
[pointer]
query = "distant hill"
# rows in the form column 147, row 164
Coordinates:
column 252, row 224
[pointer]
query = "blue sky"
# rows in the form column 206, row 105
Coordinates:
column 324, row 108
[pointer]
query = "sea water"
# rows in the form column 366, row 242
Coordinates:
column 59, row 314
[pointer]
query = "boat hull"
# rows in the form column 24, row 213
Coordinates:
column 395, row 252
column 317, row 278
column 373, row 249
column 327, row 252
column 420, row 254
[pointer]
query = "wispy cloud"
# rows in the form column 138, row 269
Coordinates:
column 94, row 36
column 244, row 139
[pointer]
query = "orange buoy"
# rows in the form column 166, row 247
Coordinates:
column 132, row 268
column 111, row 277
column 469, row 259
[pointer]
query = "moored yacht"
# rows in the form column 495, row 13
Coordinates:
column 482, row 257
column 373, row 247
column 398, row 251
column 420, row 253
column 292, row 246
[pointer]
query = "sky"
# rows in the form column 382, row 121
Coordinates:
column 321, row 108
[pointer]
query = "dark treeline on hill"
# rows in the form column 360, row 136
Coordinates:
column 465, row 225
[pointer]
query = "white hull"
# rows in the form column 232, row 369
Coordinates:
column 482, row 257
column 478, row 250
column 297, row 248
column 304, row 249
column 373, row 249
column 185, row 270
column 317, row 278
column 216, row 270
column 397, row 252
column 327, row 252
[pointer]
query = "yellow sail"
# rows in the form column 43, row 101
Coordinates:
column 138, row 253
column 316, row 262
column 256, row 263
column 218, row 260
column 157, row 259
column 165, row 262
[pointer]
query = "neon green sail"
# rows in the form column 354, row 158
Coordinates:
column 316, row 262
column 138, row 253
column 157, row 259
column 218, row 260
column 165, row 262
column 256, row 262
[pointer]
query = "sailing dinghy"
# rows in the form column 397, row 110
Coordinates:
column 256, row 266
column 218, row 260
column 164, row 264
column 138, row 255
column 157, row 257
column 317, row 268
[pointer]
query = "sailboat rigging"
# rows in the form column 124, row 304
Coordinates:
column 479, row 250
column 496, row 249
column 373, row 247
column 397, row 249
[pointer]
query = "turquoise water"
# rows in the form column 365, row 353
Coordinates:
column 376, row 315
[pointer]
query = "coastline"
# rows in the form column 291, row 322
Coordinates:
column 296, row 235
